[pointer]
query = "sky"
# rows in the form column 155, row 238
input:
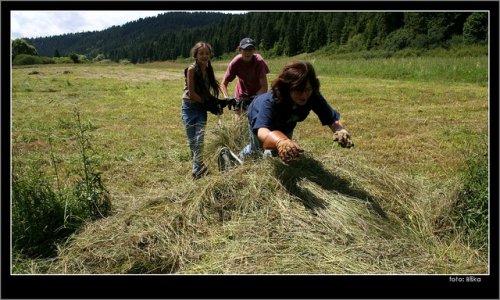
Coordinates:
column 32, row 24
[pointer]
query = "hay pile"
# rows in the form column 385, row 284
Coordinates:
column 328, row 216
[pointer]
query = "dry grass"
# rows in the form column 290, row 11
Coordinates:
column 308, row 217
column 268, row 219
column 380, row 208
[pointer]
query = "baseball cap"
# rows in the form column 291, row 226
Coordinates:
column 246, row 43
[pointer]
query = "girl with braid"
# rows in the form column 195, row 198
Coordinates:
column 200, row 86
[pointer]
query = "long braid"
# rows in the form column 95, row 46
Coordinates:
column 214, row 84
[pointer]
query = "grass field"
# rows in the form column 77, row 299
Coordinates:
column 383, row 207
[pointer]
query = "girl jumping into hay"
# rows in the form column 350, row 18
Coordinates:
column 273, row 116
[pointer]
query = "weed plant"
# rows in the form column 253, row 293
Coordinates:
column 472, row 209
column 44, row 216
column 90, row 191
column 38, row 220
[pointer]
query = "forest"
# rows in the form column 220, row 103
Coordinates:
column 171, row 35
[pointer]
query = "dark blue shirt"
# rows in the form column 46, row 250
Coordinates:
column 264, row 112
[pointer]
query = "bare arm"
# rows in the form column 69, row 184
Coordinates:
column 190, row 83
column 223, row 88
column 262, row 134
column 263, row 85
column 277, row 140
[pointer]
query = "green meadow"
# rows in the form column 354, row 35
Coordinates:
column 393, row 204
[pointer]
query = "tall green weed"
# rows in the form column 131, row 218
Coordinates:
column 90, row 189
column 44, row 216
column 38, row 222
column 471, row 209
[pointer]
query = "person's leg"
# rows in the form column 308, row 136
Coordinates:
column 194, row 120
column 254, row 147
column 198, row 140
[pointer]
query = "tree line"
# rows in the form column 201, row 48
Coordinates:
column 171, row 35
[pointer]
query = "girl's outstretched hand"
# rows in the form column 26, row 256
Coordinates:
column 343, row 138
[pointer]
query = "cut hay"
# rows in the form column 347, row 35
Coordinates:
column 312, row 216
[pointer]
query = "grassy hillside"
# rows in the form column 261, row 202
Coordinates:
column 387, row 206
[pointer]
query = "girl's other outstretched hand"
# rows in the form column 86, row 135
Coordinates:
column 343, row 138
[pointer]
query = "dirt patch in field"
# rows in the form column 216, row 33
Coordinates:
column 125, row 74
column 129, row 73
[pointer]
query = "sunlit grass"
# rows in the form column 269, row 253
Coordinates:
column 410, row 119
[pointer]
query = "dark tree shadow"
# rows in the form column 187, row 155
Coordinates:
column 308, row 168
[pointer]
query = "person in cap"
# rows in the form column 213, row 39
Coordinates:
column 273, row 116
column 251, row 70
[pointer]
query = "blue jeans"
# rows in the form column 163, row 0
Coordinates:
column 255, row 147
column 194, row 118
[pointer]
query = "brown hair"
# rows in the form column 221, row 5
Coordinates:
column 294, row 76
column 214, row 84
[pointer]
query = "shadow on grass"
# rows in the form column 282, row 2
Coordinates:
column 308, row 168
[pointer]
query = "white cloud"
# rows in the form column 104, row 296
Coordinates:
column 31, row 24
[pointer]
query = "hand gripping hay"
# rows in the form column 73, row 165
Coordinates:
column 343, row 138
column 273, row 138
column 214, row 105
column 287, row 149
